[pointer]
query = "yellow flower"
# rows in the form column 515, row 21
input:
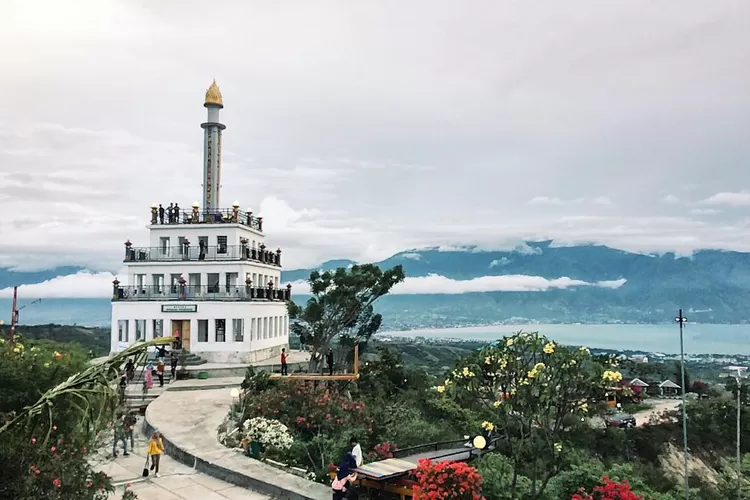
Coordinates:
column 16, row 350
column 487, row 360
column 441, row 388
column 539, row 366
column 447, row 381
column 47, row 364
column 585, row 349
column 585, row 408
column 549, row 348
column 488, row 426
column 496, row 404
column 503, row 363
column 2, row 341
column 558, row 447
column 523, row 382
column 19, row 346
column 509, row 342
column 34, row 349
column 467, row 373
column 572, row 362
column 612, row 376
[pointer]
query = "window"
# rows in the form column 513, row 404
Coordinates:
column 122, row 330
column 221, row 242
column 164, row 245
column 230, row 280
column 202, row 330
column 213, row 282
column 181, row 243
column 221, row 330
column 158, row 328
column 275, row 326
column 140, row 329
column 253, row 329
column 140, row 281
column 238, row 327
column 265, row 328
column 157, row 280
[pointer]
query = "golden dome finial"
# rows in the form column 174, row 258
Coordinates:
column 213, row 95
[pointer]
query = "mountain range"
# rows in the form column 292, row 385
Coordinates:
column 712, row 286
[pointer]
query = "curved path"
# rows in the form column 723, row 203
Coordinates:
column 189, row 419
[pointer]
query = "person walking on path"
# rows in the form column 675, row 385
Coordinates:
column 123, row 385
column 160, row 371
column 329, row 361
column 130, row 421
column 130, row 369
column 174, row 358
column 154, row 451
column 284, row 369
column 120, row 435
column 148, row 379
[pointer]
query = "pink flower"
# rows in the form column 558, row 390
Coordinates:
column 57, row 482
column 83, row 450
column 54, row 427
column 88, row 484
column 52, row 449
column 33, row 440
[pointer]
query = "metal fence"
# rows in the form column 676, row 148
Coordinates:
column 205, row 253
column 205, row 292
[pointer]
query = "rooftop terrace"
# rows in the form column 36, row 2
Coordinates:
column 175, row 215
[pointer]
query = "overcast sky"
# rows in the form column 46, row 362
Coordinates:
column 359, row 129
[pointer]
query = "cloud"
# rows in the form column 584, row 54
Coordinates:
column 436, row 284
column 671, row 199
column 705, row 211
column 376, row 136
column 736, row 199
column 84, row 284
column 411, row 256
column 500, row 262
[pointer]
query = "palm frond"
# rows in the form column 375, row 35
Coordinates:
column 91, row 393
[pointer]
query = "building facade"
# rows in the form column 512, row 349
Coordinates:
column 206, row 275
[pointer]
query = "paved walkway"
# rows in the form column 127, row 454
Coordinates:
column 189, row 422
column 177, row 481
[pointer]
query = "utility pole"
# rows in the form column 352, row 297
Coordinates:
column 14, row 315
column 682, row 320
column 738, row 372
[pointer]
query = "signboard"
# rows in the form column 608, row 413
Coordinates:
column 179, row 308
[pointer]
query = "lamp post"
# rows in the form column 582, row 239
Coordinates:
column 738, row 372
column 681, row 320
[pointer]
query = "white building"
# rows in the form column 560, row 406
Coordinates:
column 206, row 274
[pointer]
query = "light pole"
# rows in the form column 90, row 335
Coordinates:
column 738, row 372
column 681, row 320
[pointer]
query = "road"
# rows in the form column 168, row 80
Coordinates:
column 658, row 406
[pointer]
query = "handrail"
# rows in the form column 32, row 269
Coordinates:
column 213, row 216
column 204, row 253
column 202, row 292
column 426, row 447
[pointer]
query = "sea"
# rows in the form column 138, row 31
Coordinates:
column 697, row 338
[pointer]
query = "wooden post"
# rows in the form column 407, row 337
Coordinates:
column 356, row 361
column 14, row 315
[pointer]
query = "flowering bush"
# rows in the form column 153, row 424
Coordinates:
column 270, row 433
column 529, row 383
column 447, row 481
column 382, row 451
column 609, row 490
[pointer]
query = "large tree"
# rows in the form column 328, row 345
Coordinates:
column 341, row 306
column 533, row 393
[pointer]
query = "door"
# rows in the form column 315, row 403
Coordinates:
column 186, row 334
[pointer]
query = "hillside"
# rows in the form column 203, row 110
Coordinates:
column 96, row 340
column 712, row 285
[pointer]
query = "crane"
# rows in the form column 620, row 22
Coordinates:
column 14, row 313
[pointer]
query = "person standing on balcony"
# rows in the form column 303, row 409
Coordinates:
column 284, row 369
column 170, row 213
column 161, row 214
column 201, row 250
column 176, row 213
column 329, row 361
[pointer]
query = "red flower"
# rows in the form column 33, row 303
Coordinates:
column 57, row 482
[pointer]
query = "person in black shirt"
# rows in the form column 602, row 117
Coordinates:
column 170, row 213
column 161, row 214
column 176, row 213
column 329, row 361
column 130, row 370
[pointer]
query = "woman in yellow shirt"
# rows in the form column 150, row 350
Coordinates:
column 155, row 449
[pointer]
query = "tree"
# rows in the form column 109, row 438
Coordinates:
column 46, row 446
column 532, row 392
column 341, row 305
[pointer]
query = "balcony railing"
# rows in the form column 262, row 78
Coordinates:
column 206, row 253
column 214, row 216
column 205, row 292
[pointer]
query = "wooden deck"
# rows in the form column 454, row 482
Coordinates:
column 309, row 376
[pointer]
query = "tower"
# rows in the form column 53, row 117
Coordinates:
column 212, row 130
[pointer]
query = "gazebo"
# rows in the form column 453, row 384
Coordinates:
column 638, row 385
column 669, row 388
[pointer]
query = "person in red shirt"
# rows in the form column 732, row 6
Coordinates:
column 283, row 362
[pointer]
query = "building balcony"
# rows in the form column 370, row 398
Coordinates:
column 223, row 293
column 166, row 216
column 206, row 253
